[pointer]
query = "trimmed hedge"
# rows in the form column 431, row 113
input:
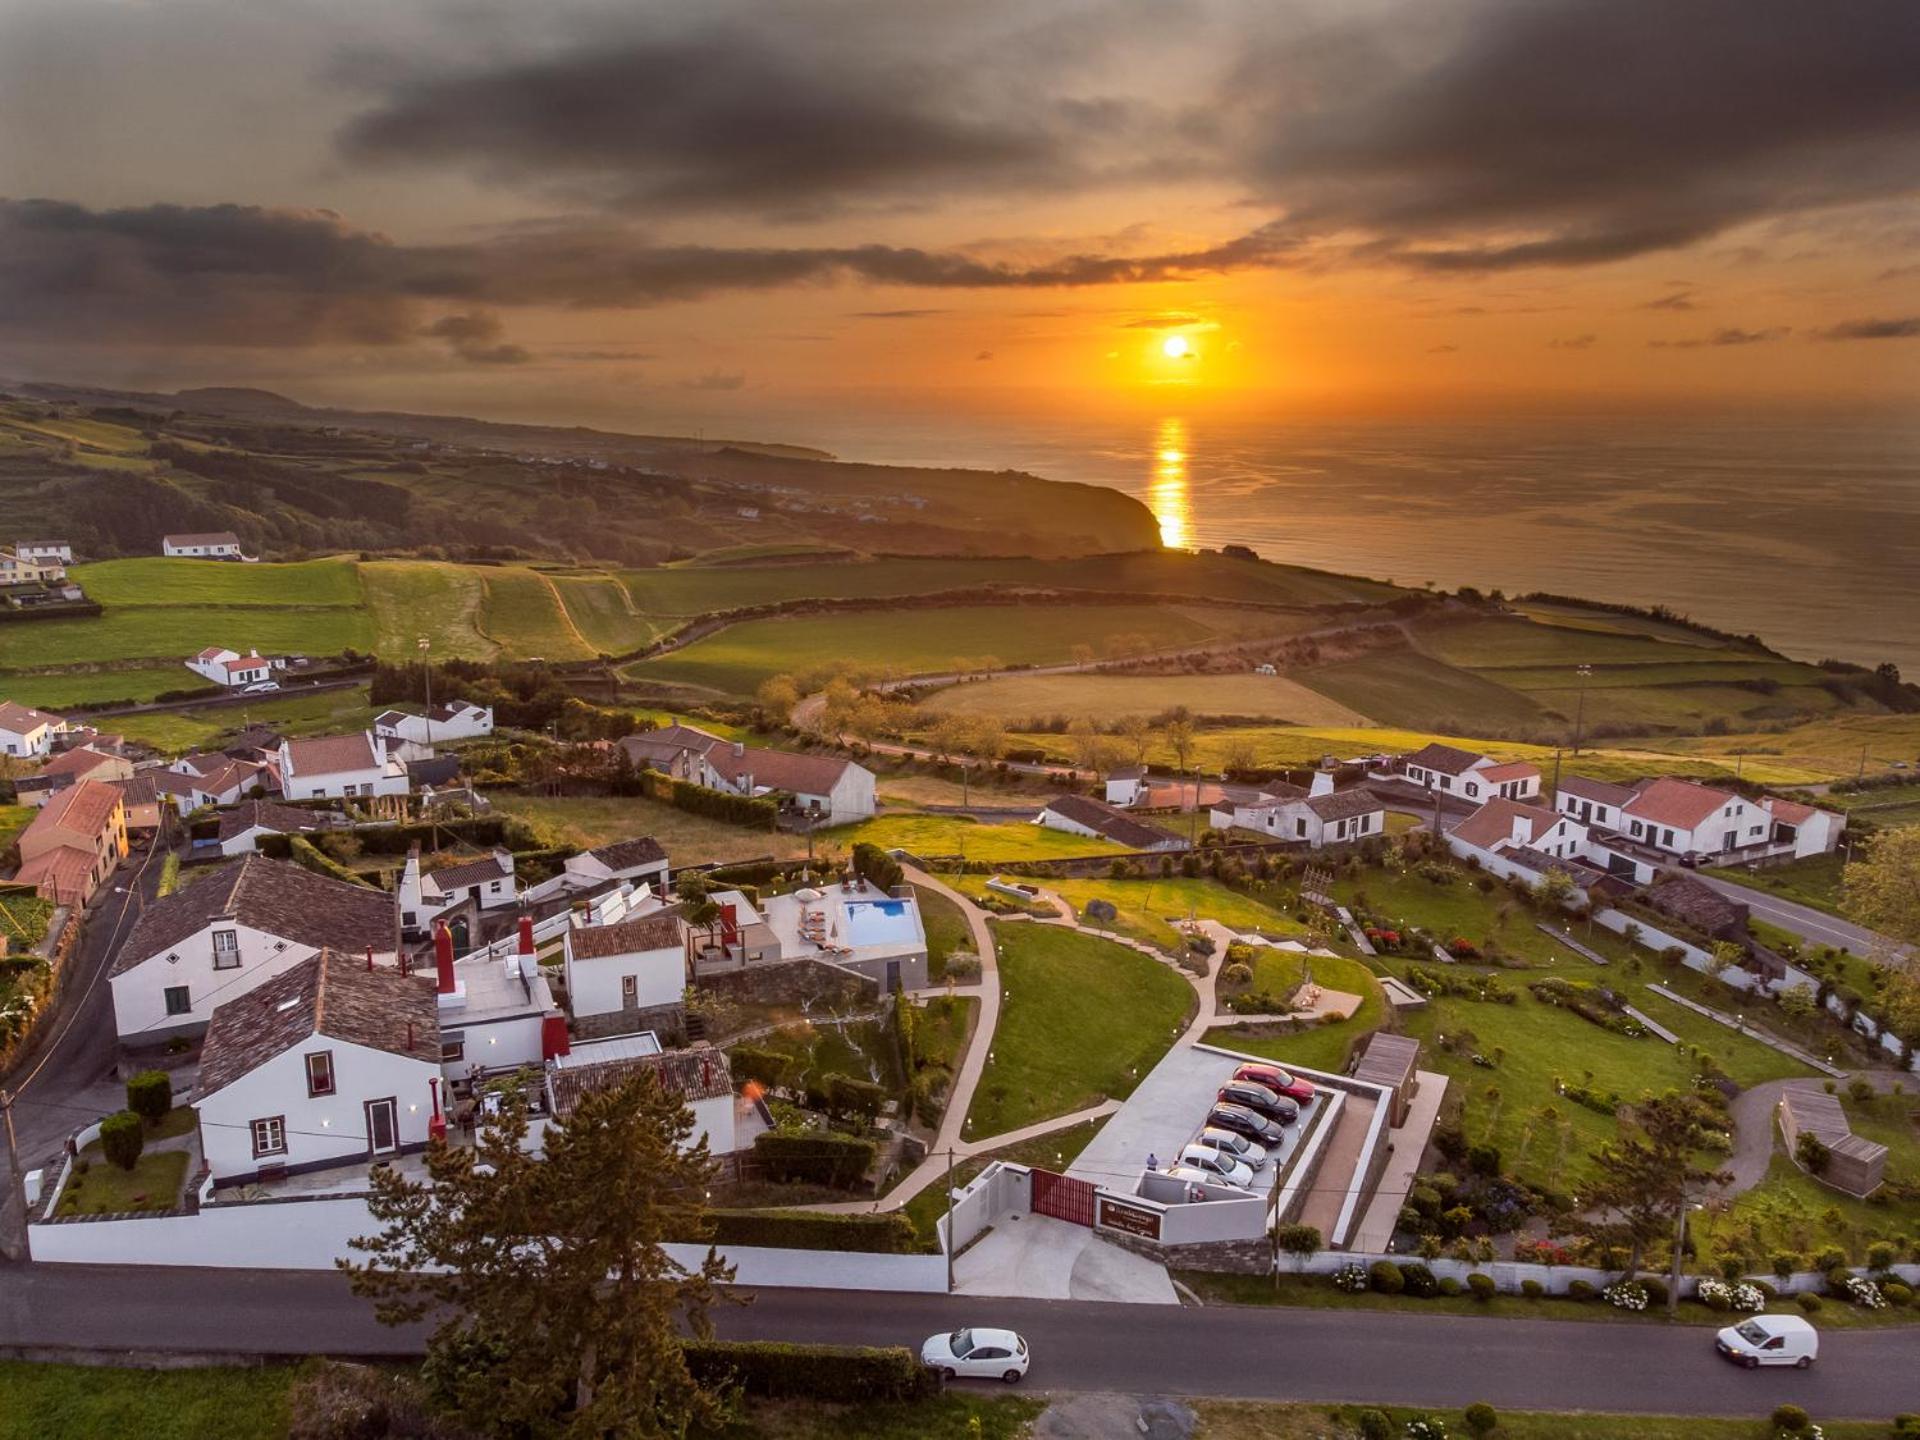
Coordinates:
column 838, row 1160
column 150, row 1095
column 877, row 866
column 714, row 804
column 843, row 1374
column 122, row 1138
column 888, row 1234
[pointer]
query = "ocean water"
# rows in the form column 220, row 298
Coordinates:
column 1806, row 533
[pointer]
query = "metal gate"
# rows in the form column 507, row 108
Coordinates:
column 1062, row 1197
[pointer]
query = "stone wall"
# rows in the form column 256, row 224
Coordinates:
column 1226, row 1257
column 668, row 1022
column 790, row 982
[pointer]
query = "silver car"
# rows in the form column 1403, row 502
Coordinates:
column 1247, row 1152
column 1218, row 1164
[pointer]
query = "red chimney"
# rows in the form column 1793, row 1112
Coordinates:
column 369, row 957
column 526, row 935
column 443, row 956
column 554, row 1040
column 437, row 1125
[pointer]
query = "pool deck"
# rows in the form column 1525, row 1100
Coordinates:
column 833, row 937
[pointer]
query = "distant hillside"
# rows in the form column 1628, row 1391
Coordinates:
column 114, row 470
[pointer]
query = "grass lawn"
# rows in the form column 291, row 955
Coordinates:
column 1052, row 1152
column 1317, row 1047
column 330, row 712
column 947, row 1417
column 153, row 632
column 14, row 819
column 1401, row 687
column 1149, row 908
column 1814, row 881
column 737, row 659
column 152, row 1184
column 1109, row 697
column 56, row 688
column 411, row 598
column 600, row 610
column 81, row 1402
column 1820, row 749
column 1084, row 1019
column 522, row 614
column 935, row 835
column 1254, row 1420
column 158, row 580
column 587, row 821
column 947, row 930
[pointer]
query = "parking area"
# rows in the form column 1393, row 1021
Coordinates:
column 1163, row 1116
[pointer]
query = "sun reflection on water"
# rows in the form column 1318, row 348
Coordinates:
column 1168, row 496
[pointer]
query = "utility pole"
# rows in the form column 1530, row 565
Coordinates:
column 1556, row 770
column 949, row 1219
column 424, row 644
column 1861, row 773
column 1679, row 1252
column 1585, row 672
column 18, row 1248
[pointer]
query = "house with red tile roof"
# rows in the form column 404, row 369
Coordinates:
column 1325, row 816
column 230, row 668
column 1470, row 775
column 831, row 787
column 74, row 843
column 1687, row 819
column 341, row 767
column 27, row 733
column 82, row 762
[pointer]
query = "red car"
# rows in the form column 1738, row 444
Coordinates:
column 1278, row 1081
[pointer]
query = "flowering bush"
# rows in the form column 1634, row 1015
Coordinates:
column 1427, row 1427
column 1541, row 1252
column 1350, row 1278
column 1626, row 1295
column 1462, row 948
column 1864, row 1293
column 1719, row 1295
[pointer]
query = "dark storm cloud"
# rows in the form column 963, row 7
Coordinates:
column 1556, row 133
column 476, row 338
column 740, row 114
column 1905, row 328
column 1724, row 338
column 240, row 275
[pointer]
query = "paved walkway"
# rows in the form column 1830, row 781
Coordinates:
column 1329, row 1193
column 1378, row 1221
column 1039, row 1258
column 1754, row 1129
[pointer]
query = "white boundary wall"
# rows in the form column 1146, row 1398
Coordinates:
column 312, row 1234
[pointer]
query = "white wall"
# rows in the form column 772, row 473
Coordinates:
column 493, row 1044
column 139, row 994
column 334, row 785
column 593, row 986
column 1053, row 820
column 323, row 1128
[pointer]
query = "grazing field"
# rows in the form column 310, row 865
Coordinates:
column 55, row 688
column 177, row 631
column 1084, row 1019
column 522, row 614
column 600, row 610
column 1403, row 688
column 1580, row 617
column 932, row 641
column 695, row 589
column 590, row 821
column 411, row 598
column 331, row 712
column 160, row 580
column 1112, row 697
column 1516, row 643
column 1832, row 749
column 933, row 835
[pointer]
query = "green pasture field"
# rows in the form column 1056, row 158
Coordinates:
column 602, row 612
column 411, row 598
column 1415, row 691
column 174, row 632
column 1111, row 697
column 1514, row 642
column 55, row 688
column 1831, row 749
column 957, row 834
column 163, row 580
column 1580, row 617
column 331, row 712
column 522, row 614
column 588, row 821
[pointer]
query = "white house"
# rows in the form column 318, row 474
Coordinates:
column 1808, row 830
column 486, row 882
column 1127, row 785
column 1082, row 815
column 233, row 930
column 329, row 1063
column 26, row 733
column 18, row 569
column 215, row 545
column 340, row 767
column 230, row 668
column 461, row 720
column 700, row 1076
column 1592, row 802
column 1454, row 771
column 1501, row 825
column 240, row 828
column 1324, row 817
column 46, row 552
column 219, row 785
column 1682, row 817
column 639, row 859
column 497, row 1014
column 626, row 972
column 829, row 786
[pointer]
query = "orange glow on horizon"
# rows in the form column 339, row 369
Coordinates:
column 1168, row 496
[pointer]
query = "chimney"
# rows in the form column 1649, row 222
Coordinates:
column 369, row 959
column 450, row 993
column 522, row 962
column 739, row 750
column 1321, row 784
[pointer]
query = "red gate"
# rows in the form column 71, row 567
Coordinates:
column 1062, row 1197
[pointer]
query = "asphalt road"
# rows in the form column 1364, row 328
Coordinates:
column 1814, row 926
column 72, row 1053
column 1277, row 1354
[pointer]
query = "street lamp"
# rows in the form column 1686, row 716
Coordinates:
column 1585, row 672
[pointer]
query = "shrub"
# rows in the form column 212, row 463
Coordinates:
column 1449, row 1286
column 1626, row 1295
column 1896, row 1293
column 1812, row 1153
column 1531, row 1289
column 1864, row 1293
column 150, row 1095
column 860, row 1098
column 884, row 1234
column 1483, row 1159
column 1808, row 1302
column 1656, row 1290
column 1418, row 1281
column 1719, row 1295
column 1426, row 1427
column 1906, row 1426
column 1831, row 1258
column 1374, row 1425
column 1481, row 1418
column 1580, row 1290
column 1351, row 1279
column 1785, row 1263
column 1236, row 974
column 1482, row 1286
column 1298, row 1239
column 839, row 1160
column 1790, row 1418
column 1880, row 1256
column 963, row 965
column 1385, row 1277
column 766, row 1067
column 843, row 1374
column 122, row 1138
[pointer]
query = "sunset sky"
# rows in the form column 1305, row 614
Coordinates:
column 610, row 212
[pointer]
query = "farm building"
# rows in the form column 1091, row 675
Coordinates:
column 1081, row 815
column 1855, row 1164
column 1389, row 1060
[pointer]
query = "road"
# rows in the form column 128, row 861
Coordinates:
column 1230, row 1352
column 63, row 1079
column 1814, row 926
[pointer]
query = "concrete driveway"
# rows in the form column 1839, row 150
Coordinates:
column 1036, row 1257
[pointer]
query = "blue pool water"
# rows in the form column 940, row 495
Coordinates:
column 881, row 922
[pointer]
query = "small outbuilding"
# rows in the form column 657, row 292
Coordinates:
column 1389, row 1061
column 1855, row 1164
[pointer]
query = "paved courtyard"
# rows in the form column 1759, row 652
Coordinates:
column 1040, row 1258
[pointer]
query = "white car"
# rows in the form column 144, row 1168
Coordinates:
column 1769, row 1340
column 1247, row 1152
column 261, row 687
column 1218, row 1165
column 980, row 1354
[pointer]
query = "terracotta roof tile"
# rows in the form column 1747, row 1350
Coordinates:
column 703, row 1074
column 1679, row 803
column 660, row 930
column 1109, row 823
column 332, row 754
column 85, row 808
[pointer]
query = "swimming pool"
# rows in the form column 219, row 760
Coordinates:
column 882, row 922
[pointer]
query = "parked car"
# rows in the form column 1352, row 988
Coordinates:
column 1259, row 1097
column 1279, row 1081
column 1192, row 1175
column 260, row 687
column 1247, row 1152
column 1769, row 1340
column 982, row 1354
column 1217, row 1163
column 1250, row 1123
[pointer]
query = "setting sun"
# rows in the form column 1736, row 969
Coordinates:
column 1176, row 347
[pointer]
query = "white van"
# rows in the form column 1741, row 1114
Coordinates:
column 1770, row 1340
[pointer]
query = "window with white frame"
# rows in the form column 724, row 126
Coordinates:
column 226, row 949
column 269, row 1136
